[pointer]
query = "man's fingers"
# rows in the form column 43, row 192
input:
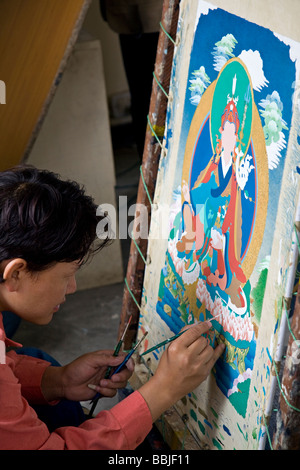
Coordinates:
column 199, row 346
column 110, row 383
column 108, row 392
column 130, row 365
column 193, row 332
column 107, row 358
column 217, row 352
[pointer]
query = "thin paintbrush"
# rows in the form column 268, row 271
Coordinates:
column 123, row 363
column 128, row 355
column 118, row 347
column 107, row 374
column 163, row 343
column 173, row 337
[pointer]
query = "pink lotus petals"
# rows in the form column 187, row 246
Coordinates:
column 240, row 328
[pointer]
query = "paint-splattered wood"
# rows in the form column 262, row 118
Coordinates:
column 151, row 156
column 287, row 435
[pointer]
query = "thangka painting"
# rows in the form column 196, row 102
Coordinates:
column 223, row 215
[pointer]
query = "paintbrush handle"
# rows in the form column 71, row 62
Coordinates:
column 107, row 373
column 168, row 340
column 116, row 352
column 129, row 355
column 123, row 363
column 162, row 343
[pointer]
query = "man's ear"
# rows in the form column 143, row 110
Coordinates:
column 13, row 272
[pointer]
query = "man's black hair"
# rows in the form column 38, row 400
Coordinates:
column 45, row 220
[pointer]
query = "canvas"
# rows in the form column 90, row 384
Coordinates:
column 220, row 240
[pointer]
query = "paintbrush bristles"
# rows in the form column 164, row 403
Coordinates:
column 126, row 328
column 143, row 337
column 217, row 316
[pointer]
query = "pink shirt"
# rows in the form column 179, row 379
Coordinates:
column 123, row 427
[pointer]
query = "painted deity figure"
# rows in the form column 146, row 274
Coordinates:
column 212, row 214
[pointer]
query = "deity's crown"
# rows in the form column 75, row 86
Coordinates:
column 232, row 98
column 230, row 112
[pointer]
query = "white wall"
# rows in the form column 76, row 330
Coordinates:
column 277, row 15
column 75, row 142
column 114, row 73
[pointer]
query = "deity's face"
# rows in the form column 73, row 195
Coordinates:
column 228, row 136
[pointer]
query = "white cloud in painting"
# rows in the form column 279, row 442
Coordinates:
column 241, row 378
column 254, row 64
column 223, row 51
column 274, row 151
column 264, row 264
column 274, row 125
column 198, row 85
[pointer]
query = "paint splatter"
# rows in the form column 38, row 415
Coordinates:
column 217, row 444
column 269, row 355
column 156, row 356
column 245, row 436
column 192, row 403
column 208, row 423
column 214, row 412
column 226, row 430
column 193, row 415
column 215, row 424
column 202, row 413
column 201, row 427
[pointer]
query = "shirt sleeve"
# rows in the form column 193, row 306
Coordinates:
column 29, row 371
column 123, row 427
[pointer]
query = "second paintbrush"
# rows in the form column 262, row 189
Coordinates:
column 169, row 340
column 109, row 369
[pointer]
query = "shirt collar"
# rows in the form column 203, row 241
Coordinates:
column 8, row 342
